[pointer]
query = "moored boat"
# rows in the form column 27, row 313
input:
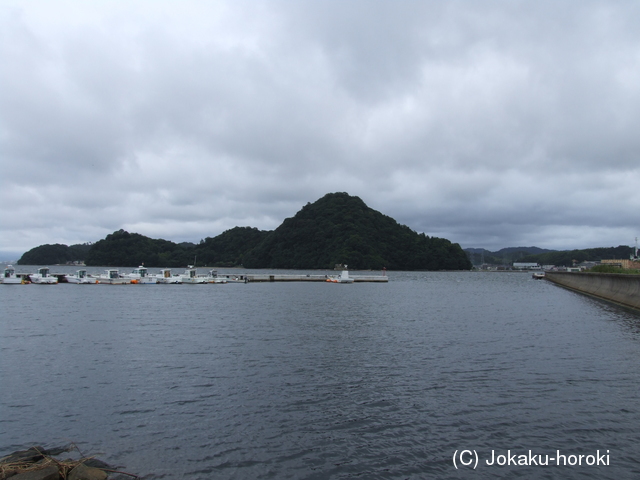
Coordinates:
column 190, row 276
column 212, row 277
column 9, row 277
column 112, row 277
column 342, row 278
column 141, row 275
column 81, row 277
column 235, row 278
column 165, row 277
column 43, row 277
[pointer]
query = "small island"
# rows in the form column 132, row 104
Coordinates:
column 336, row 229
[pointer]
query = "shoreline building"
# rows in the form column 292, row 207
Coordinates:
column 526, row 266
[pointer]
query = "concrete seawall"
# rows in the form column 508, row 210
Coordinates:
column 615, row 287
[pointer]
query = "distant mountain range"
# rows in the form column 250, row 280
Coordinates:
column 542, row 256
column 336, row 229
column 504, row 256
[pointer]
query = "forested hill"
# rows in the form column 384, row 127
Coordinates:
column 126, row 249
column 340, row 228
column 336, row 229
column 132, row 249
column 53, row 254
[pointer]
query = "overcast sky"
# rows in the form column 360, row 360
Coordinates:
column 489, row 123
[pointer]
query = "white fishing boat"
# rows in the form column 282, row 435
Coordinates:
column 165, row 277
column 342, row 278
column 212, row 277
column 43, row 277
column 235, row 278
column 81, row 277
column 141, row 275
column 190, row 276
column 9, row 277
column 112, row 277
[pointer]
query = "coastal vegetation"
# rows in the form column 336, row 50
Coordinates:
column 611, row 269
column 336, row 229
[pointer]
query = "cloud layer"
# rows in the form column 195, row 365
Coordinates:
column 492, row 124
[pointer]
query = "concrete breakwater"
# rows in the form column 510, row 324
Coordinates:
column 614, row 287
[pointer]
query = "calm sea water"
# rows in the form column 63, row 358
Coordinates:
column 324, row 381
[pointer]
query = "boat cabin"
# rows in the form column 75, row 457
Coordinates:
column 9, row 272
column 142, row 271
column 113, row 274
column 43, row 272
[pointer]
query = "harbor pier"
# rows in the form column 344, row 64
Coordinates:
column 271, row 277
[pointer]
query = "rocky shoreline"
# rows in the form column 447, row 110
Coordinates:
column 37, row 463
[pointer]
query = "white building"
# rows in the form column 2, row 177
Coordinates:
column 526, row 266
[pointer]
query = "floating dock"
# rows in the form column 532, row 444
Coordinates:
column 270, row 277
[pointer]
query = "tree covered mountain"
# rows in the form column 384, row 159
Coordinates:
column 336, row 229
column 342, row 229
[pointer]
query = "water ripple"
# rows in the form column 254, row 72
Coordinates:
column 309, row 381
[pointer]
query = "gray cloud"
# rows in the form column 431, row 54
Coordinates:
column 492, row 124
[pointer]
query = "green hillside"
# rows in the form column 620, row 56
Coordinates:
column 229, row 248
column 126, row 249
column 340, row 228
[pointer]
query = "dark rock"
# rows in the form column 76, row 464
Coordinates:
column 46, row 473
column 32, row 455
column 95, row 463
column 82, row 472
column 52, row 452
